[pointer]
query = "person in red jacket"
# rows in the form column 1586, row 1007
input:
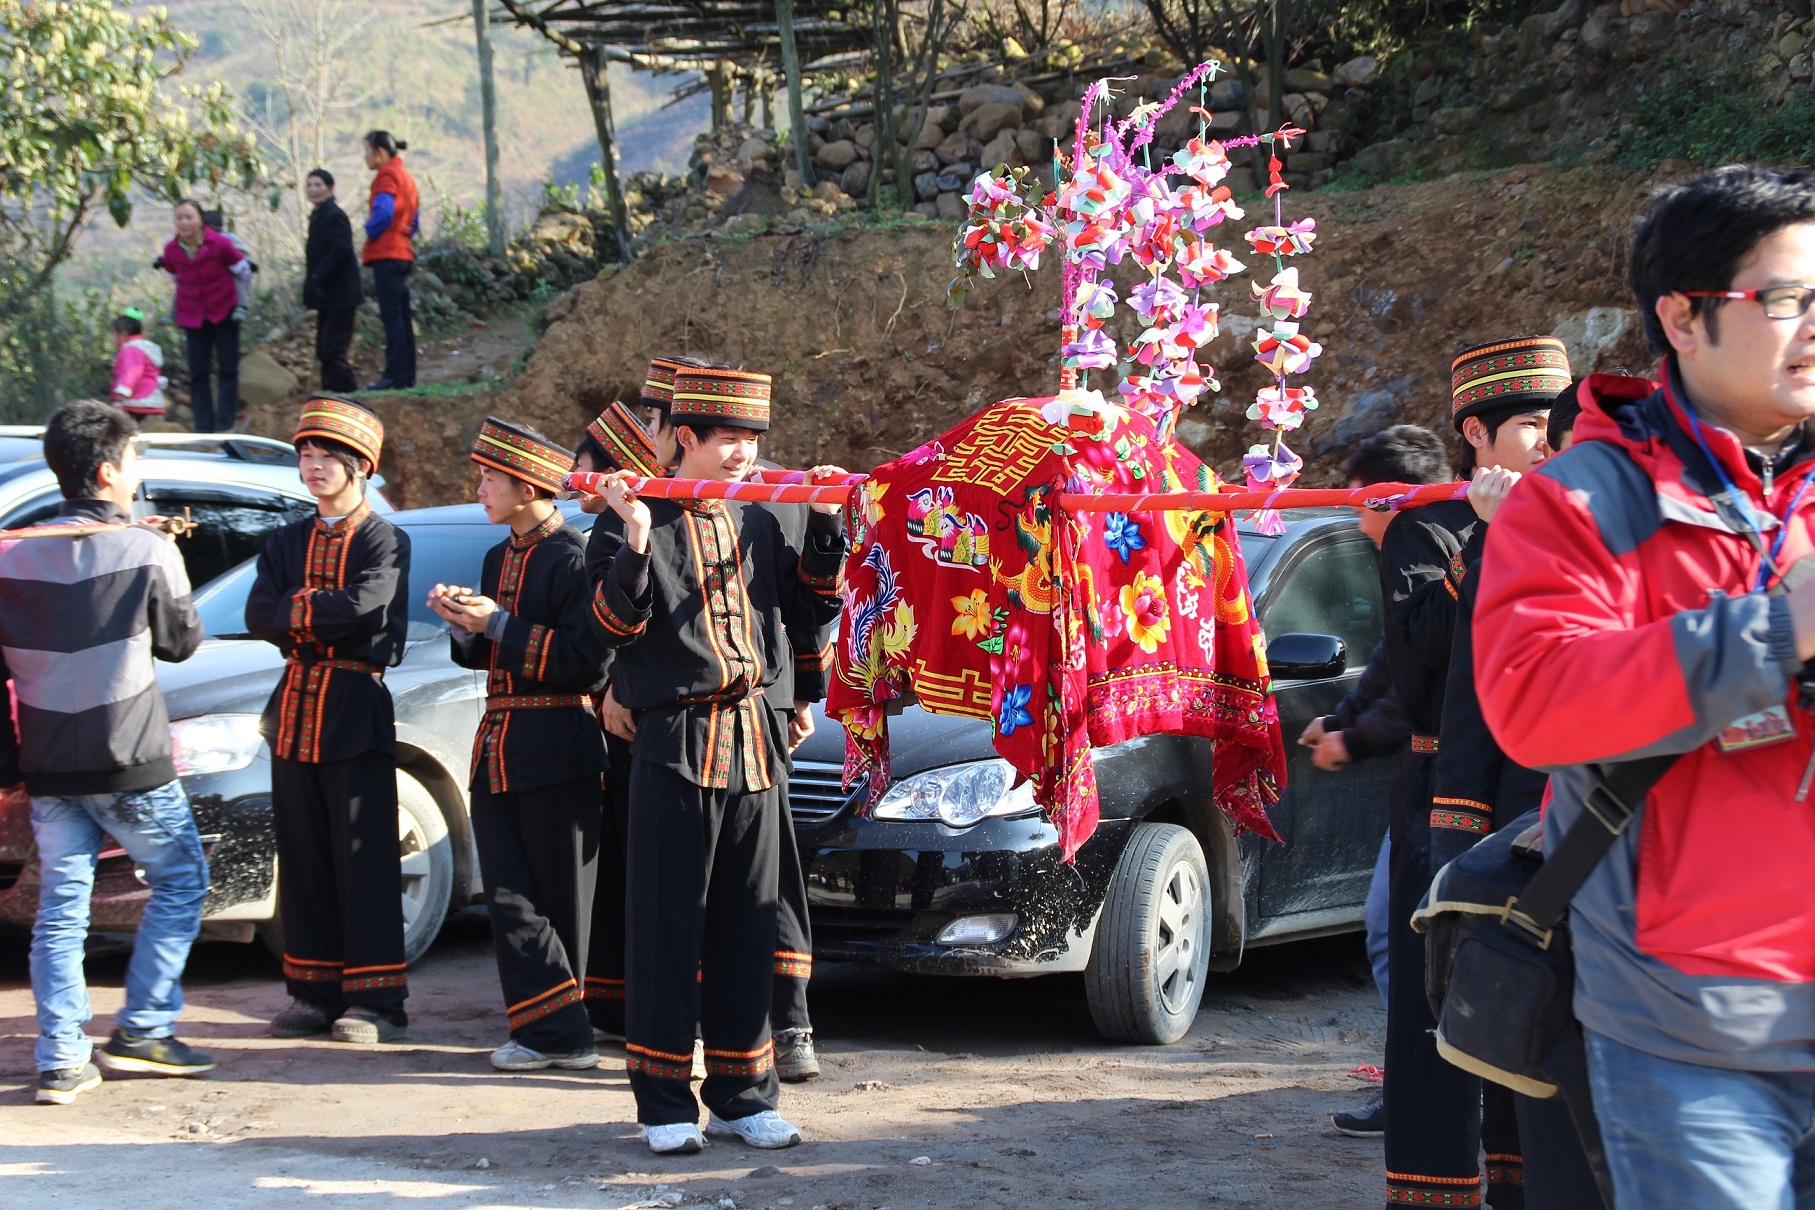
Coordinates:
column 207, row 309
column 390, row 252
column 1647, row 593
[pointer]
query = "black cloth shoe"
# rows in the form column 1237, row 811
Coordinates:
column 301, row 1020
column 795, row 1059
column 154, row 1056
column 1368, row 1122
column 65, row 1084
column 367, row 1025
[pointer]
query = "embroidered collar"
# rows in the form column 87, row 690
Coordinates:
column 346, row 524
column 549, row 526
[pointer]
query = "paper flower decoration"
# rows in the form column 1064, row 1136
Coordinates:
column 1283, row 299
column 1278, row 407
column 1186, row 385
column 1095, row 188
column 1098, row 243
column 1203, row 161
column 1201, row 263
column 1004, row 232
column 1096, row 301
column 1204, row 208
column 1156, row 299
column 1283, row 351
column 1270, row 470
column 1092, row 350
column 1284, row 241
column 1196, row 326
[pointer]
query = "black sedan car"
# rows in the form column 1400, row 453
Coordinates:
column 954, row 872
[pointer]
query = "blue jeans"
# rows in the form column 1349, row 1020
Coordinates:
column 1702, row 1138
column 157, row 830
column 1374, row 915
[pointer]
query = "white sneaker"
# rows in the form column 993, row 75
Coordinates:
column 682, row 1138
column 768, row 1129
column 514, row 1056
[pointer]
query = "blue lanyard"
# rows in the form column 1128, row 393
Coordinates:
column 1733, row 493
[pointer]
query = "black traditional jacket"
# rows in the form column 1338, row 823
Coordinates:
column 700, row 624
column 335, row 601
column 541, row 661
column 1367, row 715
column 1477, row 789
column 1421, row 570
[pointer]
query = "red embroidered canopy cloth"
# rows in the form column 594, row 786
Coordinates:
column 968, row 589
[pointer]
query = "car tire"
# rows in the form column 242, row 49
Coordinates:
column 1151, row 954
column 426, row 854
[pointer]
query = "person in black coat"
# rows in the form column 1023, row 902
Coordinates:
column 331, row 282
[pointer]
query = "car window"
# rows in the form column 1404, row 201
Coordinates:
column 1334, row 589
column 35, row 511
column 446, row 554
column 230, row 524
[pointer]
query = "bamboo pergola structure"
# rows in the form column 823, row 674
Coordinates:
column 725, row 41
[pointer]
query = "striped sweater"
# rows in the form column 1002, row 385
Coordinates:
column 81, row 620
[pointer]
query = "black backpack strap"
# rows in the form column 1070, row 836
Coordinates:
column 1618, row 792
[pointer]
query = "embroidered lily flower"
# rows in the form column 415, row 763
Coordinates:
column 1283, row 299
column 1279, row 407
column 971, row 616
column 1122, row 534
column 1144, row 607
column 1014, row 713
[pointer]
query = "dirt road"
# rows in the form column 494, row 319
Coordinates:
column 946, row 1093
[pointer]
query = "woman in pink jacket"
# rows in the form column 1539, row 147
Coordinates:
column 207, row 309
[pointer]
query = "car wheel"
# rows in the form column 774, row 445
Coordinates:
column 427, row 858
column 1148, row 963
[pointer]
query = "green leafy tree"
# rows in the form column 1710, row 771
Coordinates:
column 90, row 115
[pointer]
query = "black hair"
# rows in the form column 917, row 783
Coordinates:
column 324, row 176
column 1404, row 453
column 705, row 431
column 81, row 438
column 383, row 140
column 1694, row 236
column 589, row 447
column 1491, row 419
column 1563, row 413
column 340, row 451
column 126, row 325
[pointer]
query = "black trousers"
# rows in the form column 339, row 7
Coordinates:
column 339, row 884
column 701, row 944
column 605, row 957
column 793, row 932
column 333, row 341
column 1439, row 1118
column 537, row 849
column 210, row 345
column 391, row 286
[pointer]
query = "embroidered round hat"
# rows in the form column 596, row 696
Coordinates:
column 658, row 384
column 1531, row 370
column 711, row 396
column 625, row 441
column 517, row 452
column 340, row 419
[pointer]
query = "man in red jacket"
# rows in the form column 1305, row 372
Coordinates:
column 1646, row 594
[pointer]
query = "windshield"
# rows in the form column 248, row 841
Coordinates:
column 447, row 554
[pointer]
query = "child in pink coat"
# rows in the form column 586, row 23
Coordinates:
column 138, row 368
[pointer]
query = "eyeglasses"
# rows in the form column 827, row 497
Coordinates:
column 1779, row 302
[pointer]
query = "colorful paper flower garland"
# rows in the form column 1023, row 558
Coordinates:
column 1109, row 208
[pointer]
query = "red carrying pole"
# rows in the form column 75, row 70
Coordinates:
column 790, row 487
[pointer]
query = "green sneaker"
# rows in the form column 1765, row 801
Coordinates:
column 153, row 1056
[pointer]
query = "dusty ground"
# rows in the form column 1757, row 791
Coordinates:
column 937, row 1093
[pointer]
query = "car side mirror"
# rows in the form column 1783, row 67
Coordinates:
column 1307, row 657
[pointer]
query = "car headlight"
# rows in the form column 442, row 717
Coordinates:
column 214, row 743
column 958, row 795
